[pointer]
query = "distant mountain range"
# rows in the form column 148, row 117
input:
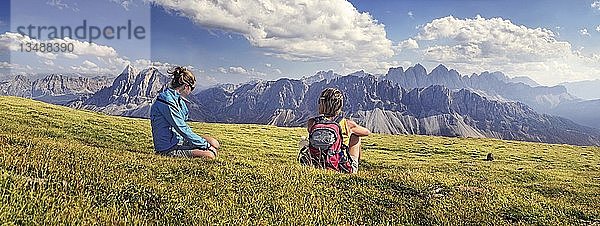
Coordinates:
column 588, row 90
column 409, row 101
column 496, row 86
column 54, row 88
column 385, row 107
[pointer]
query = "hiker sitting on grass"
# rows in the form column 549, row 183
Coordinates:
column 332, row 144
column 170, row 133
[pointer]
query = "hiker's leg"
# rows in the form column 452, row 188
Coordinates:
column 203, row 153
column 213, row 142
column 355, row 146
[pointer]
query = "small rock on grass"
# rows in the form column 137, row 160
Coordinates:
column 490, row 157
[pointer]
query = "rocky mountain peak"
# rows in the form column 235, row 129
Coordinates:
column 439, row 69
column 321, row 75
column 129, row 89
column 418, row 69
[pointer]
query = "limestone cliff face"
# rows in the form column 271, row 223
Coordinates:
column 130, row 94
column 20, row 86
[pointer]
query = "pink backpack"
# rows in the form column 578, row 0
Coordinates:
column 326, row 149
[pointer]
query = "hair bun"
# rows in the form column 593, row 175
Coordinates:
column 180, row 76
column 176, row 71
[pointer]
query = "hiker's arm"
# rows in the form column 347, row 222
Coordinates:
column 357, row 129
column 176, row 120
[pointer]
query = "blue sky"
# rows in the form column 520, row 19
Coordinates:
column 229, row 42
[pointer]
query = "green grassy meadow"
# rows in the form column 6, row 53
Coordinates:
column 59, row 165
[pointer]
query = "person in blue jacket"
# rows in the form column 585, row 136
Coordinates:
column 170, row 133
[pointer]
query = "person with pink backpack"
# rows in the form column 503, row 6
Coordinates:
column 334, row 141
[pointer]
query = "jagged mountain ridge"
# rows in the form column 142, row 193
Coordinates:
column 385, row 107
column 20, row 86
column 54, row 88
column 556, row 100
column 378, row 103
column 130, row 94
column 493, row 85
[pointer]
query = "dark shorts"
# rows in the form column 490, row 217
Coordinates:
column 183, row 151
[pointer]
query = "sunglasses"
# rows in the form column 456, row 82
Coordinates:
column 191, row 86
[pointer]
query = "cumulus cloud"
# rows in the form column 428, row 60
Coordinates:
column 13, row 42
column 584, row 32
column 83, row 53
column 407, row 44
column 294, row 30
column 241, row 71
column 598, row 28
column 70, row 56
column 473, row 45
column 63, row 5
column 238, row 70
column 48, row 56
column 595, row 5
column 87, row 67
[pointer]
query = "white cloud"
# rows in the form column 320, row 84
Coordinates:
column 241, row 71
column 5, row 65
column 70, row 56
column 48, row 56
column 89, row 64
column 294, row 30
column 60, row 4
column 268, row 65
column 238, row 70
column 595, row 5
column 407, row 44
column 48, row 62
column 598, row 28
column 125, row 3
column 88, row 67
column 411, row 14
column 13, row 42
column 584, row 32
column 480, row 44
column 108, row 56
